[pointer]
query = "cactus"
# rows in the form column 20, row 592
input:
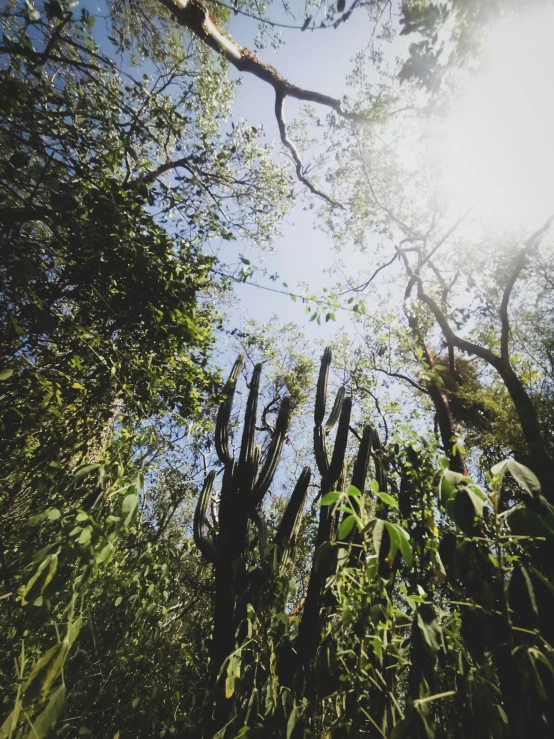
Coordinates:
column 244, row 486
column 292, row 517
column 226, row 543
column 330, row 474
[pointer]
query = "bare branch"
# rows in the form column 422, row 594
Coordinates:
column 368, row 282
column 279, row 99
column 520, row 260
column 194, row 16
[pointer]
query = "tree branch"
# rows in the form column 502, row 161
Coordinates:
column 279, row 100
column 520, row 260
column 451, row 338
column 194, row 16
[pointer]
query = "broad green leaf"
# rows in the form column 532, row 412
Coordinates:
column 330, row 498
column 233, row 673
column 85, row 470
column 73, row 630
column 105, row 553
column 7, row 730
column 378, row 529
column 47, row 719
column 118, row 600
column 346, row 527
column 524, row 477
column 523, row 522
column 40, row 580
column 478, row 502
column 455, row 478
column 5, row 374
column 503, row 715
column 405, row 546
column 447, row 490
column 352, row 491
column 388, row 499
column 293, row 719
column 44, row 672
column 129, row 506
column 85, row 536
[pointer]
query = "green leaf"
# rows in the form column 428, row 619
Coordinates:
column 378, row 529
column 375, row 486
column 352, row 491
column 85, row 536
column 41, row 579
column 293, row 720
column 346, row 527
column 129, row 506
column 521, row 474
column 502, row 713
column 73, row 630
column 47, row 719
column 5, row 374
column 118, row 601
column 523, row 522
column 388, row 499
column 105, row 553
column 478, row 501
column 45, row 672
column 447, row 490
column 330, row 498
column 233, row 673
column 8, row 727
column 455, row 478
column 53, row 514
column 85, row 470
column 404, row 545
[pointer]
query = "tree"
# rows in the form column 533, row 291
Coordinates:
column 112, row 186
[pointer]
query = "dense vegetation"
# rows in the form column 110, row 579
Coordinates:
column 361, row 545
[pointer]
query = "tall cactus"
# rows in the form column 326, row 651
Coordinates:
column 330, row 472
column 244, row 486
column 224, row 542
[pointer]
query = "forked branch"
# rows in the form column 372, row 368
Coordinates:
column 193, row 15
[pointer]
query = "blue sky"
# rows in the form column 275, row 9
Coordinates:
column 318, row 60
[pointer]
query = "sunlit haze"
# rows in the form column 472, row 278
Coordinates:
column 499, row 144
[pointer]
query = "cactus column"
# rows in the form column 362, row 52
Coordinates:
column 244, row 486
column 330, row 473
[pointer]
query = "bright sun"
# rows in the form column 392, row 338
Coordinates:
column 499, row 144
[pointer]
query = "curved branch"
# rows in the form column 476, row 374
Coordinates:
column 279, row 100
column 520, row 260
column 451, row 338
column 194, row 16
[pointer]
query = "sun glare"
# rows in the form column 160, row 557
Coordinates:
column 499, row 143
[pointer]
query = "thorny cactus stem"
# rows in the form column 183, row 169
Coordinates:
column 330, row 474
column 224, row 413
column 244, row 486
column 203, row 541
column 285, row 538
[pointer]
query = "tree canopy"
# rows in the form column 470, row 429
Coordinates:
column 348, row 529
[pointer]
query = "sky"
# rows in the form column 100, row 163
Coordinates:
column 317, row 60
column 487, row 138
